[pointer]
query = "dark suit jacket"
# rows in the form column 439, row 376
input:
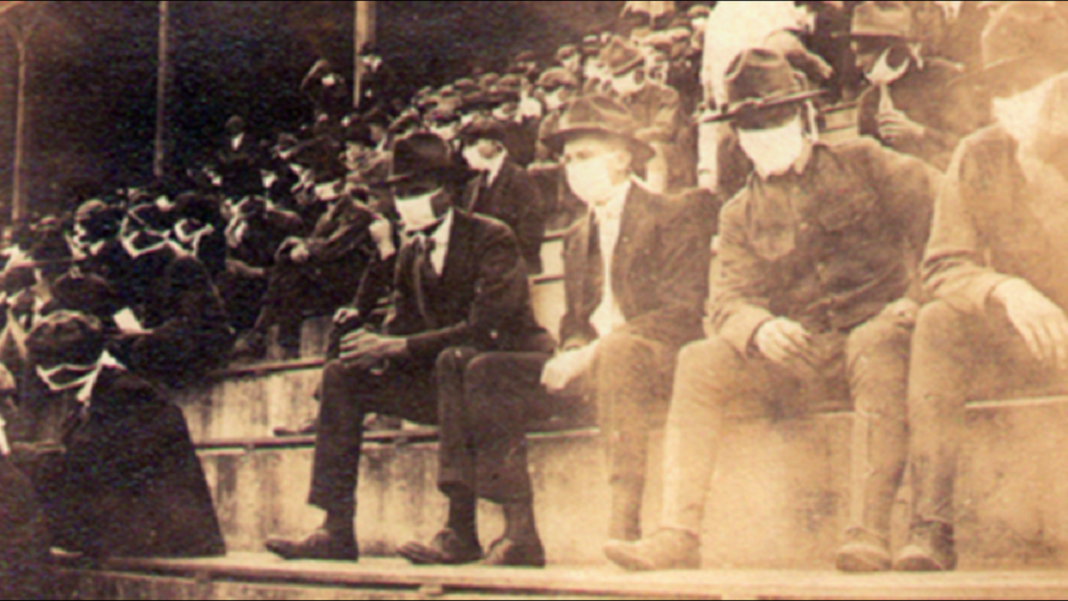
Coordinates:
column 659, row 270
column 481, row 299
column 516, row 200
column 240, row 168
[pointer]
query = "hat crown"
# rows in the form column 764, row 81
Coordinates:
column 1021, row 30
column 620, row 55
column 883, row 18
column 598, row 113
column 420, row 153
column 759, row 74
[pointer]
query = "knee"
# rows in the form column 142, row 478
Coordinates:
column 940, row 323
column 453, row 360
column 891, row 329
column 619, row 347
column 707, row 368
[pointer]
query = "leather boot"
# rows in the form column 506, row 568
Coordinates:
column 864, row 551
column 930, row 549
column 446, row 548
column 665, row 550
column 322, row 544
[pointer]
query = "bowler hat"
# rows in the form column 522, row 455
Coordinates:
column 598, row 115
column 66, row 337
column 484, row 129
column 1021, row 34
column 882, row 19
column 759, row 79
column 620, row 56
column 423, row 153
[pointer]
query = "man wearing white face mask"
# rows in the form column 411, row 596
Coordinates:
column 809, row 306
column 994, row 265
column 459, row 289
column 503, row 190
column 909, row 107
column 558, row 86
column 657, row 111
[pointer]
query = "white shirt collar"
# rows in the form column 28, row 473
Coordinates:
column 495, row 168
column 613, row 209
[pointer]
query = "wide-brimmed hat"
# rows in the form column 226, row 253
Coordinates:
column 423, row 154
column 759, row 79
column 1021, row 34
column 882, row 19
column 620, row 56
column 598, row 115
column 66, row 337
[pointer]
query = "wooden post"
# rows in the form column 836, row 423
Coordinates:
column 159, row 159
column 21, row 28
column 363, row 31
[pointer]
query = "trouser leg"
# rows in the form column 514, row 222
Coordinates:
column 504, row 392
column 348, row 395
column 877, row 366
column 456, row 469
column 709, row 375
column 631, row 391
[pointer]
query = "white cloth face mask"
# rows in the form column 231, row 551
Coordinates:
column 774, row 151
column 475, row 159
column 589, row 180
column 417, row 212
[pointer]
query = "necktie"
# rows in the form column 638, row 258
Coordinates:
column 424, row 275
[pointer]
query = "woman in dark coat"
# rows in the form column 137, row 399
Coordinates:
column 128, row 482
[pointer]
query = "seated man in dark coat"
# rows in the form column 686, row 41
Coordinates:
column 239, row 160
column 320, row 272
column 127, row 481
column 459, row 281
column 636, row 271
column 503, row 190
column 908, row 108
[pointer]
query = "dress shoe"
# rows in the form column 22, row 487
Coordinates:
column 320, row 545
column 506, row 553
column 446, row 548
column 930, row 549
column 665, row 550
column 308, row 428
column 864, row 551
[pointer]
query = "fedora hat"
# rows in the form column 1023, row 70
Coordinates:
column 882, row 19
column 484, row 129
column 759, row 79
column 1021, row 34
column 620, row 56
column 423, row 153
column 598, row 115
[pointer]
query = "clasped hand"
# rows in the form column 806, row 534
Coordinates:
column 364, row 350
column 785, row 342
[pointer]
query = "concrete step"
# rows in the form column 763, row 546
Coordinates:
column 779, row 499
column 260, row 576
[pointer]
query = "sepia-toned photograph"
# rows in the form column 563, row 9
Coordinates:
column 533, row 300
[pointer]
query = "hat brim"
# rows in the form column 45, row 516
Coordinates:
column 642, row 151
column 750, row 107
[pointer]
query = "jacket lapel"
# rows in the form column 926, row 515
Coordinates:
column 458, row 256
column 636, row 229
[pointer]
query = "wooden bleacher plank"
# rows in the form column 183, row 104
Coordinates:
column 398, row 576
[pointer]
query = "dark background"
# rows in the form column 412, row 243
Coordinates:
column 91, row 94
